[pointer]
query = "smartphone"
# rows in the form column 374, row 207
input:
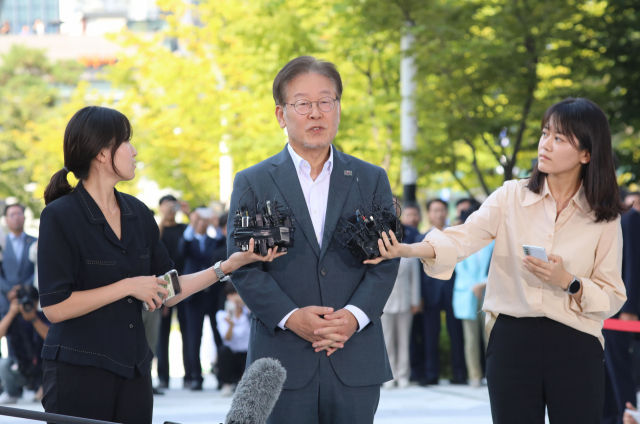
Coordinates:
column 535, row 252
column 172, row 284
column 230, row 307
column 204, row 213
column 634, row 414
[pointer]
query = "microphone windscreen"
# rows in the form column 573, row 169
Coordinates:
column 257, row 392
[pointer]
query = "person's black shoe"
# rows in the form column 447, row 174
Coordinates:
column 458, row 382
column 163, row 384
column 157, row 392
column 186, row 383
column 432, row 382
column 196, row 386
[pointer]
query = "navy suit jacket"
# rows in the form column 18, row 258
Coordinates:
column 14, row 273
column 630, row 223
column 195, row 260
column 309, row 274
column 435, row 291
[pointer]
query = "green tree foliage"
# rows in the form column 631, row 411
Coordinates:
column 486, row 68
column 217, row 86
column 609, row 43
column 28, row 97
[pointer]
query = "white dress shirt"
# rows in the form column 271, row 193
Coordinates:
column 316, row 194
column 240, row 334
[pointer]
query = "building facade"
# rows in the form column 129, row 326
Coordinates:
column 30, row 17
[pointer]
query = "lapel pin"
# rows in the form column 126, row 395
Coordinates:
column 348, row 173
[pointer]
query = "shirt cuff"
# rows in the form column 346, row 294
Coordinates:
column 362, row 318
column 284, row 320
column 593, row 299
column 443, row 265
column 188, row 233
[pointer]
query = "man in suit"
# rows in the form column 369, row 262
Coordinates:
column 411, row 218
column 197, row 249
column 620, row 386
column 317, row 309
column 437, row 296
column 16, row 267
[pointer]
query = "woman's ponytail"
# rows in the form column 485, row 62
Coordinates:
column 58, row 186
column 90, row 130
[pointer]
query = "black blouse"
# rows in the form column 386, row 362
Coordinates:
column 77, row 251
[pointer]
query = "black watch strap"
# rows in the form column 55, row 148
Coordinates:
column 574, row 286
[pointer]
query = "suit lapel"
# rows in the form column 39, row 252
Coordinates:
column 285, row 176
column 338, row 190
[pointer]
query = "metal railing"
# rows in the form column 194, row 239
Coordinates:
column 49, row 417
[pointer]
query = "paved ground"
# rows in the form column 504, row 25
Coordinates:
column 416, row 405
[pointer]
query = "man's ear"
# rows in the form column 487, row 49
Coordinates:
column 280, row 116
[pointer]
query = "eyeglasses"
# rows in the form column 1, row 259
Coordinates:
column 303, row 107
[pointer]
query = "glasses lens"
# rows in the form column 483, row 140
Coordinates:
column 325, row 104
column 302, row 106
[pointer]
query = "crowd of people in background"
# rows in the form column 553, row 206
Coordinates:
column 412, row 319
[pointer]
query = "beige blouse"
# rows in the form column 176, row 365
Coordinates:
column 514, row 216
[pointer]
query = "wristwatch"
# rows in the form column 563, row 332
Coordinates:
column 574, row 286
column 221, row 275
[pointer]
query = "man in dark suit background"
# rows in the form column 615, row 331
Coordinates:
column 411, row 218
column 437, row 296
column 620, row 386
column 197, row 249
column 16, row 269
column 317, row 309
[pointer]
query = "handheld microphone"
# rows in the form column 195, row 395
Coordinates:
column 257, row 392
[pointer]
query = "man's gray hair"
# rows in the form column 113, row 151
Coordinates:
column 300, row 66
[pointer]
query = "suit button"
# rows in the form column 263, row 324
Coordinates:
column 130, row 301
column 323, row 272
column 124, row 252
column 130, row 325
column 128, row 275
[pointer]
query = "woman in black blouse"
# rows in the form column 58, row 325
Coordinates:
column 98, row 258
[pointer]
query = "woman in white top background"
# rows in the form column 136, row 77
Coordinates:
column 545, row 319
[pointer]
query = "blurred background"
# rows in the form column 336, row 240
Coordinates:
column 195, row 79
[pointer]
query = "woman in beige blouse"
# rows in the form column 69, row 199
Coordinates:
column 545, row 319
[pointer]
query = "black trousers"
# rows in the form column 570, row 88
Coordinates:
column 230, row 365
column 163, row 343
column 620, row 385
column 196, row 307
column 90, row 392
column 417, row 356
column 538, row 362
column 431, row 327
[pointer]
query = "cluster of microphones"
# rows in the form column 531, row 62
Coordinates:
column 361, row 232
column 269, row 224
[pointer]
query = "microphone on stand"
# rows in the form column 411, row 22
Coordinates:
column 257, row 392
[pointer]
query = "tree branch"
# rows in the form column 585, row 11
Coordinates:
column 486, row 142
column 474, row 163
